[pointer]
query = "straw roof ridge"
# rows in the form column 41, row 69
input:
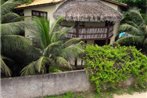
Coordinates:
column 87, row 10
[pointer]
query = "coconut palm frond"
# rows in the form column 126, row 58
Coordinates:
column 49, row 49
column 10, row 17
column 146, row 30
column 130, row 29
column 56, row 47
column 131, row 40
column 145, row 44
column 136, row 15
column 43, row 30
column 19, row 47
column 11, row 23
column 143, row 28
column 62, row 62
column 2, row 2
column 72, row 51
column 132, row 23
column 6, row 58
column 8, row 6
column 55, row 26
column 40, row 64
column 12, row 28
column 61, row 34
column 37, row 66
column 53, row 37
column 71, row 41
column 29, row 69
column 47, row 34
column 4, row 68
column 11, row 42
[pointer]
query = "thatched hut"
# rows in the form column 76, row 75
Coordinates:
column 93, row 21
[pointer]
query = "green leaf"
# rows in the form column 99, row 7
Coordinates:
column 62, row 62
column 4, row 68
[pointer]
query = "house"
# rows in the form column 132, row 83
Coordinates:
column 95, row 21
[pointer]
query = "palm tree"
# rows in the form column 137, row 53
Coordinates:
column 135, row 25
column 56, row 49
column 14, row 46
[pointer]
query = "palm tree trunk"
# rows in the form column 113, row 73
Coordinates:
column 143, row 41
column 47, row 68
column 76, row 61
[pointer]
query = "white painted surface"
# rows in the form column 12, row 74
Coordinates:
column 36, row 86
column 135, row 95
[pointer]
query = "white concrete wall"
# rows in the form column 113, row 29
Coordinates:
column 43, row 85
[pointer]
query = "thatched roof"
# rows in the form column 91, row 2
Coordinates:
column 87, row 10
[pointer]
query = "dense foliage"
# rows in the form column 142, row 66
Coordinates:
column 135, row 25
column 20, row 55
column 109, row 67
column 141, row 4
column 132, row 1
column 16, row 50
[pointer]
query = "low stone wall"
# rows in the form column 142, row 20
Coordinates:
column 42, row 85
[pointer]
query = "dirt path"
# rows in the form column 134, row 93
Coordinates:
column 135, row 95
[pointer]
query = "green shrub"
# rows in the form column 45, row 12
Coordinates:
column 108, row 67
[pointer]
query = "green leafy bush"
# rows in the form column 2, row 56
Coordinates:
column 109, row 67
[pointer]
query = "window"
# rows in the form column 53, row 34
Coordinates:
column 101, row 42
column 39, row 13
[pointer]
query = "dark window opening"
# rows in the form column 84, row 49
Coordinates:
column 101, row 42
column 19, row 12
column 39, row 14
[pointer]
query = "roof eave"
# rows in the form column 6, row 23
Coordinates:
column 23, row 7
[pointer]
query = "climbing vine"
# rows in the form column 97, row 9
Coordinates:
column 109, row 67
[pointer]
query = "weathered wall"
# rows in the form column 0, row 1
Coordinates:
column 42, row 85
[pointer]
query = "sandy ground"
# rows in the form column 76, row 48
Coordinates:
column 135, row 95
